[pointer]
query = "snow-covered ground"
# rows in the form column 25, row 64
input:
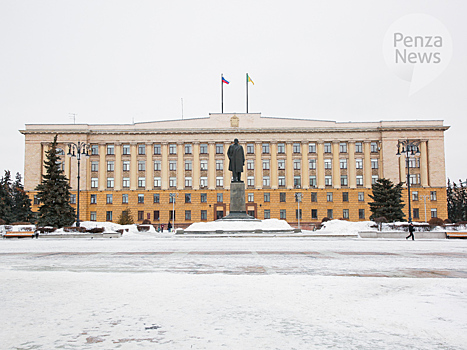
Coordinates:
column 172, row 292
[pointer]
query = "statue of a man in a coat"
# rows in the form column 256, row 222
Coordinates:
column 236, row 160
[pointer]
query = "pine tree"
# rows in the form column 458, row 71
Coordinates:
column 21, row 202
column 54, row 193
column 456, row 201
column 126, row 218
column 6, row 199
column 387, row 201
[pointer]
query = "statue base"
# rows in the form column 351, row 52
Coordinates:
column 237, row 203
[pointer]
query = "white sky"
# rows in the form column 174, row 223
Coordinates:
column 118, row 61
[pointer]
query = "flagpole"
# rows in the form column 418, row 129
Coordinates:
column 222, row 93
column 246, row 93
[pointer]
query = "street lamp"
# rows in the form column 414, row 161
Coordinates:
column 424, row 199
column 77, row 150
column 298, row 198
column 408, row 148
column 173, row 195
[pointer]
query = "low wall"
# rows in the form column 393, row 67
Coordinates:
column 402, row 234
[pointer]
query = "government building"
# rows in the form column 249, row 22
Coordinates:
column 295, row 169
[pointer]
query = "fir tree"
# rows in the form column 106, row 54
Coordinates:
column 54, row 193
column 387, row 201
column 21, row 202
column 456, row 201
column 126, row 218
column 6, row 199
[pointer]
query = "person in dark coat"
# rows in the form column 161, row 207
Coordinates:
column 169, row 226
column 236, row 160
column 411, row 231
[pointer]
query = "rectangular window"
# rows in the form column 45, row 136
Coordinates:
column 416, row 213
column 312, row 164
column 204, row 197
column 172, row 165
column 359, row 163
column 434, row 213
column 414, row 179
column 297, row 164
column 413, row 163
column 219, row 164
column 141, row 149
column 374, row 147
column 157, row 182
column 345, row 213
column 93, row 216
column 157, row 165
column 110, row 149
column 220, row 197
column 361, row 196
column 204, row 214
column 415, row 195
column 172, row 181
column 282, row 196
column 330, row 213
column 343, row 163
column 345, row 196
column 126, row 165
column 312, row 148
column 141, row 182
column 374, row 179
column 297, row 181
column 314, row 214
column 72, row 199
column 328, row 163
column 172, row 148
column 283, row 214
column 188, row 149
column 108, row 216
column 141, row 165
column 187, row 215
column 110, row 182
column 188, row 182
column 141, row 198
column 94, row 166
column 281, row 148
column 157, row 149
column 109, row 199
column 313, row 181
column 328, row 180
column 126, row 182
column 265, row 164
column 140, row 215
column 203, row 182
column 374, row 164
column 265, row 148
column 327, row 147
column 125, row 198
column 250, row 164
column 266, row 181
column 343, row 147
column 251, row 197
column 329, row 196
column 296, row 148
column 219, row 181
column 267, row 214
column 126, row 149
column 344, row 180
column 110, row 166
column 203, row 148
column 298, row 214
column 219, row 148
column 204, row 165
column 250, row 148
column 250, row 181
column 267, row 197
column 361, row 214
column 281, row 181
column 358, row 147
column 187, row 197
column 359, row 180
column 156, row 215
column 94, row 150
column 314, row 196
column 433, row 195
column 94, row 182
column 281, row 164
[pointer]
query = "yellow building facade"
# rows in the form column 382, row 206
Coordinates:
column 156, row 167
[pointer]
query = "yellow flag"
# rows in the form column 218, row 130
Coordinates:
column 249, row 80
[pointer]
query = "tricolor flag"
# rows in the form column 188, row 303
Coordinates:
column 249, row 79
column 225, row 81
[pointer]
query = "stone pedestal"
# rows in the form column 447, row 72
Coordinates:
column 237, row 203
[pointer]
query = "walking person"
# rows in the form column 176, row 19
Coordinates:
column 411, row 231
column 169, row 226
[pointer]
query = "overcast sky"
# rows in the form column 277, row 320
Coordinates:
column 123, row 61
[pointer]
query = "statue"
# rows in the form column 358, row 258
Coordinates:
column 236, row 161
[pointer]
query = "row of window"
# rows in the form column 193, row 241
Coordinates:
column 250, row 148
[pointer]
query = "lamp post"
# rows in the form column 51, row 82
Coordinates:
column 298, row 198
column 173, row 195
column 425, row 196
column 408, row 148
column 77, row 150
